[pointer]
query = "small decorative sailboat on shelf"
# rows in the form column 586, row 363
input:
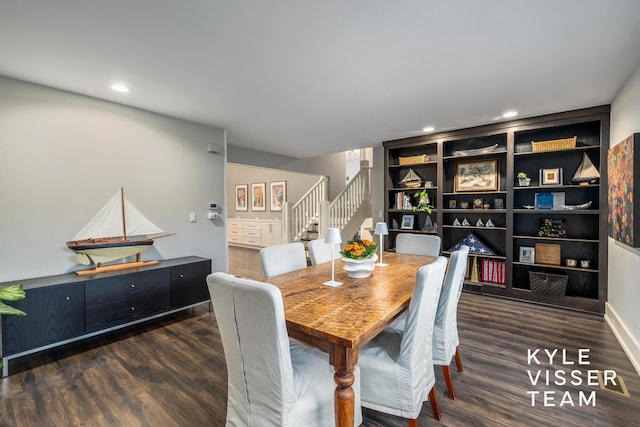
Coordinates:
column 586, row 173
column 411, row 180
column 117, row 231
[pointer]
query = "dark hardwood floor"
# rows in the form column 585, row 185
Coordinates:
column 171, row 372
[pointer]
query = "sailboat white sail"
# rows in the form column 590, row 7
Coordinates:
column 586, row 172
column 118, row 230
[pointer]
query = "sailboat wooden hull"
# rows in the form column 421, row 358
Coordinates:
column 102, row 251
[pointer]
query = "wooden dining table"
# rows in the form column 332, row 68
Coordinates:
column 340, row 320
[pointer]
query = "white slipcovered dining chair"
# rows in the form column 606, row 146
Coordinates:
column 272, row 381
column 418, row 244
column 415, row 244
column 280, row 259
column 396, row 367
column 445, row 333
column 320, row 252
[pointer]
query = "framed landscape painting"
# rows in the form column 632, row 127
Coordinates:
column 407, row 222
column 481, row 175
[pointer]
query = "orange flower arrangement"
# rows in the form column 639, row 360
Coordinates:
column 359, row 249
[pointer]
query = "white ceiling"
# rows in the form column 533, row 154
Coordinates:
column 309, row 77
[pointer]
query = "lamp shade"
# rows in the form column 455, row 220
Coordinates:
column 381, row 228
column 333, row 236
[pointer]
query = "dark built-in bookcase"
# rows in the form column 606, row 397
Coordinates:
column 507, row 147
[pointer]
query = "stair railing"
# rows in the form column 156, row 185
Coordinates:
column 301, row 216
column 340, row 211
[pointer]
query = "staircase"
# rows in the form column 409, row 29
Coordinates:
column 310, row 217
column 350, row 208
column 303, row 215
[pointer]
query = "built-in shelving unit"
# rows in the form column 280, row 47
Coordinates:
column 472, row 174
column 398, row 195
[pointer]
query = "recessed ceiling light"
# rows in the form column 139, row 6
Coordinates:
column 510, row 114
column 118, row 87
column 428, row 129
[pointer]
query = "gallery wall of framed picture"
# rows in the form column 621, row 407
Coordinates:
column 257, row 198
column 260, row 196
column 260, row 193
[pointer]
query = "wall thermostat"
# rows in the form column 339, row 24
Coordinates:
column 213, row 206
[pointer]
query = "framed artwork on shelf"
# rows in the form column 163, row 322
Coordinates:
column 278, row 194
column 407, row 222
column 544, row 201
column 558, row 200
column 257, row 196
column 478, row 202
column 498, row 203
column 547, row 253
column 241, row 197
column 527, row 254
column 551, row 176
column 480, row 175
column 552, row 227
column 452, row 204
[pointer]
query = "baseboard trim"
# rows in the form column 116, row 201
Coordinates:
column 630, row 346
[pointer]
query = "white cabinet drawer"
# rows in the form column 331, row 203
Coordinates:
column 234, row 224
column 252, row 233
column 252, row 225
column 252, row 241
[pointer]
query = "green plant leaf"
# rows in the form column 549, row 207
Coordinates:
column 7, row 309
column 12, row 292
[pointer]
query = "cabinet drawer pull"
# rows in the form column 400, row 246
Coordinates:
column 68, row 298
column 133, row 285
column 182, row 276
column 133, row 309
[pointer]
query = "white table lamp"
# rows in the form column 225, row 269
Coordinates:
column 382, row 230
column 332, row 237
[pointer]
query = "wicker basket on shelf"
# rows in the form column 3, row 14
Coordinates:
column 412, row 160
column 554, row 144
column 547, row 283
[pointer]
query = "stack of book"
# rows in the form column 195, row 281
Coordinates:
column 403, row 201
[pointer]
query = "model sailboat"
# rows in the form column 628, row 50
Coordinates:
column 411, row 180
column 117, row 231
column 586, row 172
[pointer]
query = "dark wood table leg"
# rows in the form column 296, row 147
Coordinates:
column 344, row 361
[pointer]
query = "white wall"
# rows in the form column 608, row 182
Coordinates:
column 249, row 156
column 62, row 156
column 622, row 310
column 331, row 165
